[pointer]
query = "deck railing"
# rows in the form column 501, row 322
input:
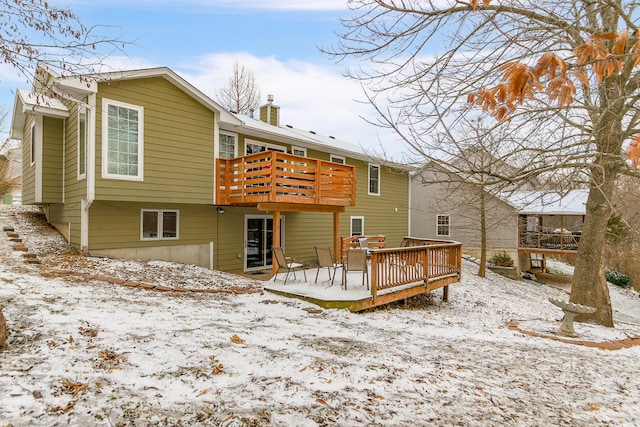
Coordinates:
column 549, row 240
column 272, row 176
column 433, row 265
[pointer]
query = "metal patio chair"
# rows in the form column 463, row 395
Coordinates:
column 291, row 266
column 356, row 261
column 325, row 260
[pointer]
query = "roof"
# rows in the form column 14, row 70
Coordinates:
column 75, row 86
column 309, row 139
column 37, row 104
column 175, row 79
column 540, row 202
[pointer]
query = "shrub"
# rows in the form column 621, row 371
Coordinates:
column 617, row 278
column 502, row 260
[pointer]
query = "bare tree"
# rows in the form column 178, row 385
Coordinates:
column 472, row 179
column 564, row 73
column 623, row 242
column 35, row 31
column 9, row 175
column 241, row 93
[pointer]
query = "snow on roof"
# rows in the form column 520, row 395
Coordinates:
column 34, row 103
column 310, row 139
column 541, row 202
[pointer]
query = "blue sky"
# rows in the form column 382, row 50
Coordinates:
column 277, row 39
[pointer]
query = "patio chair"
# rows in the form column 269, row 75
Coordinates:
column 364, row 243
column 356, row 261
column 290, row 266
column 325, row 260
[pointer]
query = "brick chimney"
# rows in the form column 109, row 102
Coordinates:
column 270, row 113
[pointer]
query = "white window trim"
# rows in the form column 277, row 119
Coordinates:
column 86, row 142
column 160, row 225
column 294, row 148
column 448, row 225
column 332, row 158
column 105, row 123
column 274, row 147
column 235, row 143
column 33, row 145
column 369, row 179
column 361, row 218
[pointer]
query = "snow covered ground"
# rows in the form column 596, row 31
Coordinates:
column 85, row 352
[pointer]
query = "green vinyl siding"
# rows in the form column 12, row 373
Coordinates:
column 178, row 145
column 117, row 225
column 75, row 189
column 379, row 212
column 229, row 252
column 52, row 164
column 28, row 170
column 306, row 230
column 66, row 218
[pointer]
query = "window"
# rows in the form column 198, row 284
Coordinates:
column 122, row 140
column 159, row 224
column 357, row 226
column 337, row 159
column 299, row 151
column 374, row 180
column 227, row 149
column 443, row 225
column 82, row 143
column 253, row 147
column 33, row 144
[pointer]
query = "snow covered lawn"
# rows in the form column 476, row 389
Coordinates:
column 91, row 353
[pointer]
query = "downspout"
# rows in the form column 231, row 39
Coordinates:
column 64, row 159
column 91, row 174
column 216, row 154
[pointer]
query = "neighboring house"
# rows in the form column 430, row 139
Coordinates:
column 527, row 224
column 142, row 164
column 11, row 185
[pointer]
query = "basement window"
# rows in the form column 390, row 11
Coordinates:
column 159, row 224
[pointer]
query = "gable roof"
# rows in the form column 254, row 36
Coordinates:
column 27, row 102
column 573, row 202
column 163, row 72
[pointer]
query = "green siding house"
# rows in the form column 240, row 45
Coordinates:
column 141, row 164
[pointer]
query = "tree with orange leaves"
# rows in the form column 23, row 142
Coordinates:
column 564, row 76
column 634, row 152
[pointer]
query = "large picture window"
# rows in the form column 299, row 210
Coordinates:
column 122, row 140
column 82, row 143
column 443, row 225
column 374, row 180
column 159, row 224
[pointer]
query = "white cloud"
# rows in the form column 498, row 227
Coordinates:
column 245, row 4
column 310, row 96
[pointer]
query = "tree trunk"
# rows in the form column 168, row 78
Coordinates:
column 482, row 271
column 589, row 286
column 3, row 331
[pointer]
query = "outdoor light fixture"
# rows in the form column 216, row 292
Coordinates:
column 220, row 211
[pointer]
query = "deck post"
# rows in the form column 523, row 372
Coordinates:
column 375, row 261
column 336, row 237
column 276, row 238
column 445, row 293
column 318, row 181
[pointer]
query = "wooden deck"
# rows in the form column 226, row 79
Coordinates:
column 395, row 274
column 275, row 177
column 549, row 234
